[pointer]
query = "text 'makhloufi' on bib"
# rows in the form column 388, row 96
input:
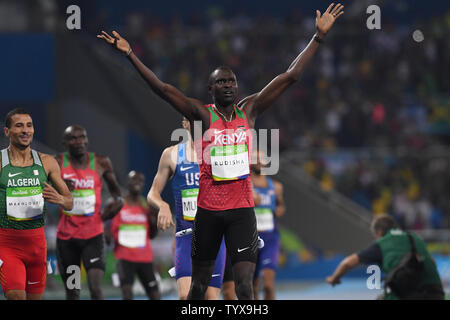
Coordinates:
column 23, row 188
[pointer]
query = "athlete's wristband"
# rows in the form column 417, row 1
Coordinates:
column 317, row 39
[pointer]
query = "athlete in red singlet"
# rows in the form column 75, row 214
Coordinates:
column 80, row 230
column 132, row 247
column 225, row 205
column 222, row 189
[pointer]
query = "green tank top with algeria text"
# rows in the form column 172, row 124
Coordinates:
column 22, row 205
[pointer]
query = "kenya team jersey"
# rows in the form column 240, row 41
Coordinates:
column 84, row 220
column 225, row 163
column 185, row 184
column 131, row 231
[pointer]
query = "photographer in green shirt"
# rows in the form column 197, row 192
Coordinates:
column 391, row 245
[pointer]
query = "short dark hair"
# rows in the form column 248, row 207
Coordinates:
column 71, row 128
column 383, row 223
column 226, row 68
column 14, row 112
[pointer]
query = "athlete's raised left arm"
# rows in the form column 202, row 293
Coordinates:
column 281, row 208
column 107, row 172
column 58, row 192
column 262, row 100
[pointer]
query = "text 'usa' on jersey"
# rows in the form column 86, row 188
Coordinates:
column 185, row 187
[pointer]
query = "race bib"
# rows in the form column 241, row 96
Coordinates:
column 83, row 203
column 189, row 203
column 229, row 162
column 132, row 236
column 24, row 203
column 264, row 219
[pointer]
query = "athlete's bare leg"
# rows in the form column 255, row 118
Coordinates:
column 72, row 294
column 212, row 293
column 34, row 296
column 151, row 289
column 269, row 284
column 255, row 289
column 95, row 279
column 228, row 291
column 127, row 291
column 243, row 279
column 184, row 283
column 15, row 295
column 154, row 294
column 201, row 276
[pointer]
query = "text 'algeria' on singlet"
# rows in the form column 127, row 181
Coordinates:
column 22, row 204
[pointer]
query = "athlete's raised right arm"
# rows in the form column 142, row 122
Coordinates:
column 165, row 172
column 190, row 108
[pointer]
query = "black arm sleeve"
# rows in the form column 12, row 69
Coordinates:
column 371, row 255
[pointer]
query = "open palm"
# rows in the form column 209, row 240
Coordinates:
column 325, row 22
column 116, row 41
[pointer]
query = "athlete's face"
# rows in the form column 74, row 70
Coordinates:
column 223, row 87
column 136, row 182
column 21, row 131
column 76, row 141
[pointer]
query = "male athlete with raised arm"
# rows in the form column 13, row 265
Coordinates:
column 225, row 201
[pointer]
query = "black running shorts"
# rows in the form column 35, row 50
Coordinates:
column 238, row 226
column 228, row 273
column 73, row 251
column 145, row 272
